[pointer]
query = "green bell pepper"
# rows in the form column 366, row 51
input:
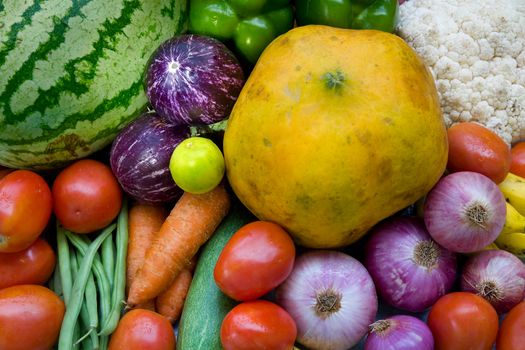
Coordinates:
column 246, row 26
column 355, row 14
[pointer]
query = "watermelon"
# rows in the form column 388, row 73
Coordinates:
column 71, row 73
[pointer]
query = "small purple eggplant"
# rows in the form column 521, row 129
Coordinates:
column 140, row 157
column 193, row 79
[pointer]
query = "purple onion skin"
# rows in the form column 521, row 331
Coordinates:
column 405, row 333
column 506, row 269
column 445, row 203
column 399, row 280
column 140, row 157
column 193, row 79
column 320, row 270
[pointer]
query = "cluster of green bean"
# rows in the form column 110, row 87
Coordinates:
column 91, row 278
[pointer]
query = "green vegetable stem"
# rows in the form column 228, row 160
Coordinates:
column 355, row 14
column 247, row 26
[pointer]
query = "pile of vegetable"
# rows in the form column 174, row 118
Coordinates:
column 224, row 174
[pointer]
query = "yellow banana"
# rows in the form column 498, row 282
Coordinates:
column 491, row 246
column 512, row 242
column 514, row 221
column 513, row 188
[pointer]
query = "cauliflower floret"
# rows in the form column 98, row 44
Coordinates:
column 476, row 52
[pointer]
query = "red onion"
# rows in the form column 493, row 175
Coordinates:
column 496, row 275
column 464, row 212
column 410, row 271
column 332, row 299
column 400, row 332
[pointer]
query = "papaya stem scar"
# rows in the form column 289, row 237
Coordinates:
column 334, row 80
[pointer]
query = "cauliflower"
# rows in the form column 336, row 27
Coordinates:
column 475, row 50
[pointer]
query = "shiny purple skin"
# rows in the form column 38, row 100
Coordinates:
column 403, row 333
column 140, row 157
column 399, row 280
column 193, row 79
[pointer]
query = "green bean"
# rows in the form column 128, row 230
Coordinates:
column 75, row 263
column 103, row 284
column 74, row 271
column 87, row 343
column 64, row 263
column 87, row 332
column 103, row 343
column 65, row 341
column 118, row 295
column 103, row 288
column 108, row 258
column 92, row 306
column 64, row 266
column 57, row 283
column 89, row 310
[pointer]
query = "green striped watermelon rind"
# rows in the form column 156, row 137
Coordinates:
column 71, row 73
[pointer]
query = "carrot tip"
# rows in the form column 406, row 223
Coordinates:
column 128, row 306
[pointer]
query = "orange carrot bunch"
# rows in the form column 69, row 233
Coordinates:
column 162, row 249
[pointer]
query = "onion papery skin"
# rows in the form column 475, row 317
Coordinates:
column 315, row 272
column 140, row 157
column 400, row 281
column 404, row 333
column 504, row 270
column 446, row 203
column 193, row 79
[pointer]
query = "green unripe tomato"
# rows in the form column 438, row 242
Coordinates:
column 197, row 165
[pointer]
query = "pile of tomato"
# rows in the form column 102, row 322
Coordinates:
column 84, row 196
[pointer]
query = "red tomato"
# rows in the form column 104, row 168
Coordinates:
column 463, row 321
column 30, row 317
column 258, row 257
column 473, row 147
column 25, row 209
column 511, row 334
column 258, row 325
column 87, row 196
column 141, row 329
column 517, row 159
column 33, row 265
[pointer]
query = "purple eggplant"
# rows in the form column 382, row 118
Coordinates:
column 140, row 157
column 193, row 79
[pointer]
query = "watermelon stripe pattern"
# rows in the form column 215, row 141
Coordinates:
column 71, row 73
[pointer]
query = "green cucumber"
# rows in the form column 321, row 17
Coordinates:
column 205, row 305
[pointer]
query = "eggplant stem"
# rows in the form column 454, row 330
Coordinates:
column 215, row 128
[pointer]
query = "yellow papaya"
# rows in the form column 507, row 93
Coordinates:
column 334, row 130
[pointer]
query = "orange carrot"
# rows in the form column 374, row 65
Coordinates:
column 144, row 223
column 170, row 302
column 189, row 225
